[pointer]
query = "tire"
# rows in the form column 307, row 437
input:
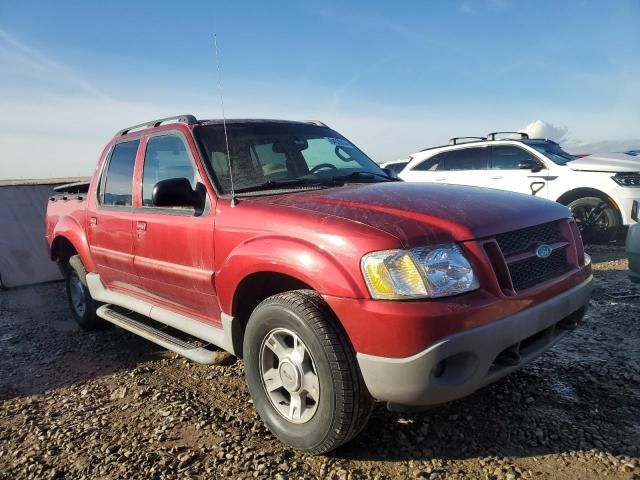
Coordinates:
column 83, row 307
column 597, row 219
column 339, row 408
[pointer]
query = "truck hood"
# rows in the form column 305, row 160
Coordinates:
column 424, row 213
column 606, row 162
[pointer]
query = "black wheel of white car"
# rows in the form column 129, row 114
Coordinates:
column 302, row 373
column 82, row 305
column 597, row 219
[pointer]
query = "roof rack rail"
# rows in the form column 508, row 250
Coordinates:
column 492, row 135
column 456, row 140
column 187, row 118
column 316, row 122
column 546, row 140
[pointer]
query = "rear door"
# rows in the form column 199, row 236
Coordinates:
column 174, row 245
column 110, row 217
column 504, row 161
column 467, row 166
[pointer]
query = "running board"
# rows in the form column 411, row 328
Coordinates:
column 226, row 337
column 189, row 347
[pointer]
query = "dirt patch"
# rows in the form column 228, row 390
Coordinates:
column 108, row 404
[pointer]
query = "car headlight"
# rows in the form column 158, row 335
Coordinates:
column 627, row 179
column 422, row 272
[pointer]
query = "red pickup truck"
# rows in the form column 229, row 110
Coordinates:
column 337, row 284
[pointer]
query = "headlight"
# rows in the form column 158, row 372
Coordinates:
column 423, row 272
column 627, row 179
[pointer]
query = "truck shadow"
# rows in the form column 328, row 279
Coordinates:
column 42, row 349
column 532, row 412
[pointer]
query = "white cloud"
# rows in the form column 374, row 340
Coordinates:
column 542, row 129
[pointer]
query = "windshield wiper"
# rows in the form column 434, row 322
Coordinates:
column 276, row 184
column 357, row 176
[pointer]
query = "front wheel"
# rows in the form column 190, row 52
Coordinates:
column 597, row 219
column 302, row 373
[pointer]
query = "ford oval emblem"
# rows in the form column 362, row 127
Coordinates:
column 543, row 251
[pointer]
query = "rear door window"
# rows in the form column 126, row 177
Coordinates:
column 466, row 159
column 118, row 184
column 508, row 157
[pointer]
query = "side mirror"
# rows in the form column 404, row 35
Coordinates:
column 530, row 164
column 177, row 192
column 390, row 172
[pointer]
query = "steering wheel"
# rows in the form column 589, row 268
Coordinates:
column 322, row 165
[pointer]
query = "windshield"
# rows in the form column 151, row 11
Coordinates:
column 280, row 155
column 553, row 152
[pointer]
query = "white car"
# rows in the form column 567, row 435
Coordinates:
column 600, row 191
column 395, row 165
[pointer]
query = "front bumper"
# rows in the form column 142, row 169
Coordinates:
column 624, row 197
column 460, row 363
column 633, row 252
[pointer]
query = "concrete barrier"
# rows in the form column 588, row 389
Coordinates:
column 24, row 255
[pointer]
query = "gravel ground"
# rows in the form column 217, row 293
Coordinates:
column 111, row 405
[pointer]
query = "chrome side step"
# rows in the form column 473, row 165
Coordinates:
column 188, row 346
column 220, row 337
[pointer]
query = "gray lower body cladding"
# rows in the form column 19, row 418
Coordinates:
column 459, row 364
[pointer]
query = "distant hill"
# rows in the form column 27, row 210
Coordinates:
column 604, row 146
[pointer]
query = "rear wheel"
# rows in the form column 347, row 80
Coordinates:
column 82, row 305
column 597, row 219
column 302, row 373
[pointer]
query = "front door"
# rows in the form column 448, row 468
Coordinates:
column 173, row 246
column 110, row 218
column 504, row 161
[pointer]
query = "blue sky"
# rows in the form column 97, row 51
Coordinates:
column 394, row 77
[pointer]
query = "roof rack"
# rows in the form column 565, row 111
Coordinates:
column 492, row 135
column 456, row 140
column 188, row 119
column 316, row 122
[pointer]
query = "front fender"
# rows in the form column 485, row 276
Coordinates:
column 70, row 229
column 317, row 267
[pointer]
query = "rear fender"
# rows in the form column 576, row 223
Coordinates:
column 296, row 258
column 70, row 229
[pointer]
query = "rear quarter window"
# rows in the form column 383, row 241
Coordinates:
column 431, row 164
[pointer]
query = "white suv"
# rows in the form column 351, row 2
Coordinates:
column 599, row 190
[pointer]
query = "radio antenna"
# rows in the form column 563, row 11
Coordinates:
column 224, row 120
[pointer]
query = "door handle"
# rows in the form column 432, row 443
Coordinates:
column 498, row 177
column 93, row 221
column 141, row 226
column 440, row 179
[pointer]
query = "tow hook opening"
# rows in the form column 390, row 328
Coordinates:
column 455, row 369
column 509, row 357
column 572, row 321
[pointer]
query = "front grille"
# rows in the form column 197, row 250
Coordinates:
column 533, row 270
column 521, row 240
column 525, row 268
